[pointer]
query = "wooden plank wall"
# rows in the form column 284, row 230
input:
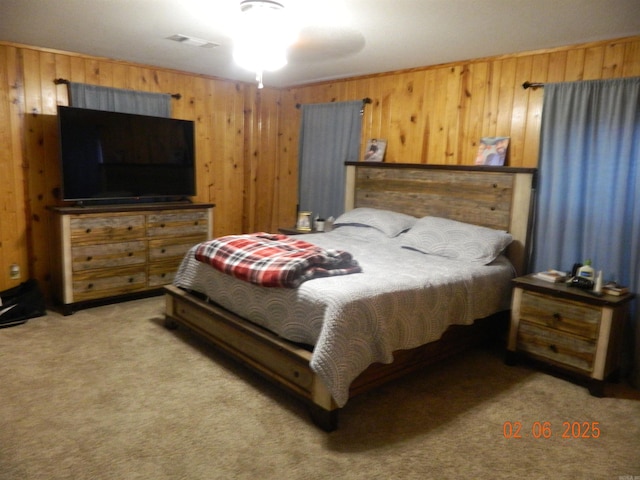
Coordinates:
column 225, row 113
column 247, row 139
column 436, row 115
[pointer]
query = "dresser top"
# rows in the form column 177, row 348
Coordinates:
column 130, row 207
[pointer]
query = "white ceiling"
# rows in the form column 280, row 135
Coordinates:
column 339, row 38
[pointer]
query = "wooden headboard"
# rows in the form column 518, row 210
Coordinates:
column 494, row 197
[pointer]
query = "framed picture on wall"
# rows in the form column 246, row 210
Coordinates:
column 375, row 150
column 304, row 221
column 492, row 151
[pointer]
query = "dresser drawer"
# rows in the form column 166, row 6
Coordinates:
column 560, row 314
column 561, row 348
column 178, row 223
column 163, row 249
column 162, row 273
column 106, row 228
column 92, row 284
column 109, row 255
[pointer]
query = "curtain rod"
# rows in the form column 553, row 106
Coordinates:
column 64, row 81
column 364, row 100
column 533, row 85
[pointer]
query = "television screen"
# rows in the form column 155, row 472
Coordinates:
column 120, row 156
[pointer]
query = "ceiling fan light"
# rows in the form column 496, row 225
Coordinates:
column 254, row 58
column 263, row 36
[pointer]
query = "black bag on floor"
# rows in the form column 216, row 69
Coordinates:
column 18, row 304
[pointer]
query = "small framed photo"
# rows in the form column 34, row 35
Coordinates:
column 304, row 221
column 492, row 151
column 375, row 150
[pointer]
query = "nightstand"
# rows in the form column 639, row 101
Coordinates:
column 567, row 328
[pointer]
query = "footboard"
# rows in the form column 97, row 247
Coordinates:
column 279, row 361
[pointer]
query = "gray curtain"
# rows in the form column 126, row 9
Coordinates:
column 329, row 136
column 119, row 100
column 589, row 184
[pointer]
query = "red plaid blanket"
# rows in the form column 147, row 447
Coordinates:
column 274, row 260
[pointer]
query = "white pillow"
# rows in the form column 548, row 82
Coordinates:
column 456, row 240
column 390, row 223
column 365, row 234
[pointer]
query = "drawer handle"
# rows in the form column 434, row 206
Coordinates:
column 162, row 251
column 129, row 228
column 162, row 225
column 557, row 317
column 553, row 348
column 196, row 223
column 130, row 254
column 89, row 258
column 88, row 230
column 90, row 286
column 131, row 280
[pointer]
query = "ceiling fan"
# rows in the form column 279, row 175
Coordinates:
column 274, row 32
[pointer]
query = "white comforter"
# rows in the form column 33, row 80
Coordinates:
column 401, row 300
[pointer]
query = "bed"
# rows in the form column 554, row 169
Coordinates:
column 334, row 337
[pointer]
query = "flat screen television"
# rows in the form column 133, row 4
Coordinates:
column 109, row 157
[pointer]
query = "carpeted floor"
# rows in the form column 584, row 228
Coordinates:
column 109, row 393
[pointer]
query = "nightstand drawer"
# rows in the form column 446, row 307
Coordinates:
column 560, row 314
column 559, row 347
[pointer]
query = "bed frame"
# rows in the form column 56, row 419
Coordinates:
column 496, row 197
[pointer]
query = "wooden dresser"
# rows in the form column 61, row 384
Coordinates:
column 106, row 252
column 568, row 328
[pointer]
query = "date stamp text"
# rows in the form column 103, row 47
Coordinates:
column 545, row 430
